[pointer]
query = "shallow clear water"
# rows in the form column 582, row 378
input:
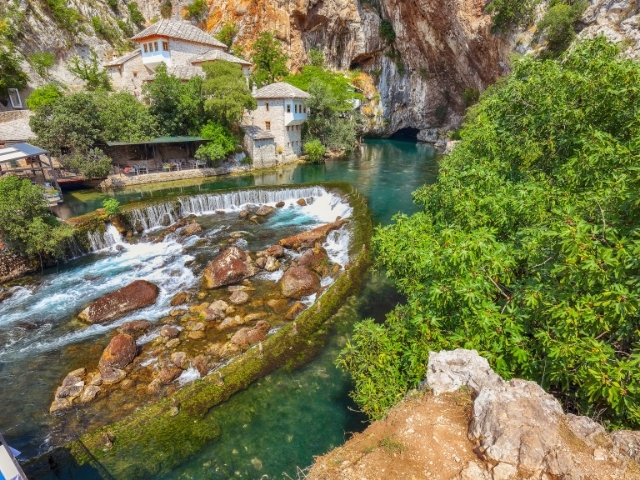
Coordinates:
column 279, row 423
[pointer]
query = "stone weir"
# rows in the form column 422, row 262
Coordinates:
column 156, row 438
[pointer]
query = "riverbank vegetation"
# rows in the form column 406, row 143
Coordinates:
column 526, row 248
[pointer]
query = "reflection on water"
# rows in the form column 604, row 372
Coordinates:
column 282, row 421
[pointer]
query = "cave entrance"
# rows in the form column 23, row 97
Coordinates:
column 407, row 134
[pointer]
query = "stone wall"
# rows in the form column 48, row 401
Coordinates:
column 12, row 266
column 130, row 76
column 262, row 152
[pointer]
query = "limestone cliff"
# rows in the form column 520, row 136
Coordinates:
column 470, row 424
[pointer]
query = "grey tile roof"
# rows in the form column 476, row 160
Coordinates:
column 123, row 59
column 257, row 133
column 215, row 54
column 280, row 90
column 180, row 30
column 184, row 72
column 16, row 130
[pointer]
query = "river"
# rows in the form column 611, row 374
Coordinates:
column 277, row 425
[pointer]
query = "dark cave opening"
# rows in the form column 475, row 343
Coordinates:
column 407, row 134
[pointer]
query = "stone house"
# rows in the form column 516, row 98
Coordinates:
column 181, row 46
column 276, row 124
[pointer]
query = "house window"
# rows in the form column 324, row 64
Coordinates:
column 155, row 44
column 165, row 46
column 144, row 45
column 267, row 106
column 305, row 109
column 135, row 74
column 288, row 108
column 267, row 125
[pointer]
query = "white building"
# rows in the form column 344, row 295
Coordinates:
column 276, row 125
column 181, row 46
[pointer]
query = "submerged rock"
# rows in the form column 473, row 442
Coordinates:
column 138, row 294
column 298, row 282
column 310, row 238
column 278, row 305
column 135, row 327
column 169, row 332
column 271, row 265
column 231, row 266
column 295, row 310
column 179, row 359
column 119, row 353
column 261, row 261
column 180, row 299
column 192, row 229
column 60, row 404
column 245, row 337
column 112, row 376
column 89, row 393
column 239, row 297
column 231, row 322
column 168, row 374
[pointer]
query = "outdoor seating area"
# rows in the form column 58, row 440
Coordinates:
column 173, row 165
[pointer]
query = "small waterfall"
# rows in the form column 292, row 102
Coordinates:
column 73, row 249
column 103, row 241
column 209, row 203
column 154, row 216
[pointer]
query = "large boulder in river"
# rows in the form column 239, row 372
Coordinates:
column 138, row 294
column 231, row 266
column 316, row 259
column 119, row 353
column 299, row 281
column 310, row 238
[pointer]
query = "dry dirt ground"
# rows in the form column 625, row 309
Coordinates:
column 424, row 437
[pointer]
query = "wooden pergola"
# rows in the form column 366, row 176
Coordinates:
column 21, row 151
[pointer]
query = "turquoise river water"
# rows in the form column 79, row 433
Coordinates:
column 273, row 429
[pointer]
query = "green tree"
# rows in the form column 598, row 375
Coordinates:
column 134, row 14
column 177, row 107
column 316, row 57
column 44, row 95
column 166, row 9
column 227, row 33
column 226, row 92
column 123, row 118
column 526, row 248
column 269, row 60
column 221, row 144
column 197, row 10
column 26, row 223
column 11, row 74
column 90, row 71
column 92, row 163
column 386, row 31
column 557, row 27
column 314, row 150
column 340, row 85
column 42, row 62
column 510, row 13
column 69, row 124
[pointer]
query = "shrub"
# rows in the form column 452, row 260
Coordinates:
column 386, row 31
column 105, row 30
column 91, row 164
column 441, row 112
column 166, row 9
column 470, row 96
column 557, row 25
column 67, row 17
column 510, row 13
column 134, row 13
column 314, row 150
column 221, row 142
column 44, row 95
column 125, row 27
column 316, row 57
column 526, row 248
column 113, row 4
column 197, row 10
column 42, row 62
column 111, row 206
column 90, row 71
column 11, row 74
column 227, row 33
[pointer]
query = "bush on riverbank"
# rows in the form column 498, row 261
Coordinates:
column 526, row 249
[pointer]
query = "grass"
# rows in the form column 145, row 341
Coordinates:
column 392, row 446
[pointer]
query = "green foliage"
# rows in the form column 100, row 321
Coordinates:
column 111, row 206
column 470, row 96
column 314, row 150
column 269, row 60
column 11, row 21
column 134, row 13
column 90, row 164
column 125, row 27
column 332, row 120
column 227, row 33
column 510, row 13
column 196, row 10
column 455, row 135
column 386, row 31
column 339, row 85
column 526, row 248
column 246, row 161
column 178, row 107
column 166, row 9
column 69, row 124
column 440, row 113
column 105, row 30
column 67, row 17
column 316, row 57
column 11, row 75
column 557, row 25
column 226, row 92
column 90, row 71
column 44, row 95
column 42, row 62
column 222, row 142
column 123, row 118
column 25, row 221
column 113, row 4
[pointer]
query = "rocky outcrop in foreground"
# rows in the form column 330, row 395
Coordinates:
column 473, row 425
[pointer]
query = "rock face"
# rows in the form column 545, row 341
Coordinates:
column 298, row 282
column 119, row 353
column 310, row 238
column 136, row 295
column 231, row 266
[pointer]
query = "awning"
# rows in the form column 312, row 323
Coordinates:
column 20, row 151
column 159, row 140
